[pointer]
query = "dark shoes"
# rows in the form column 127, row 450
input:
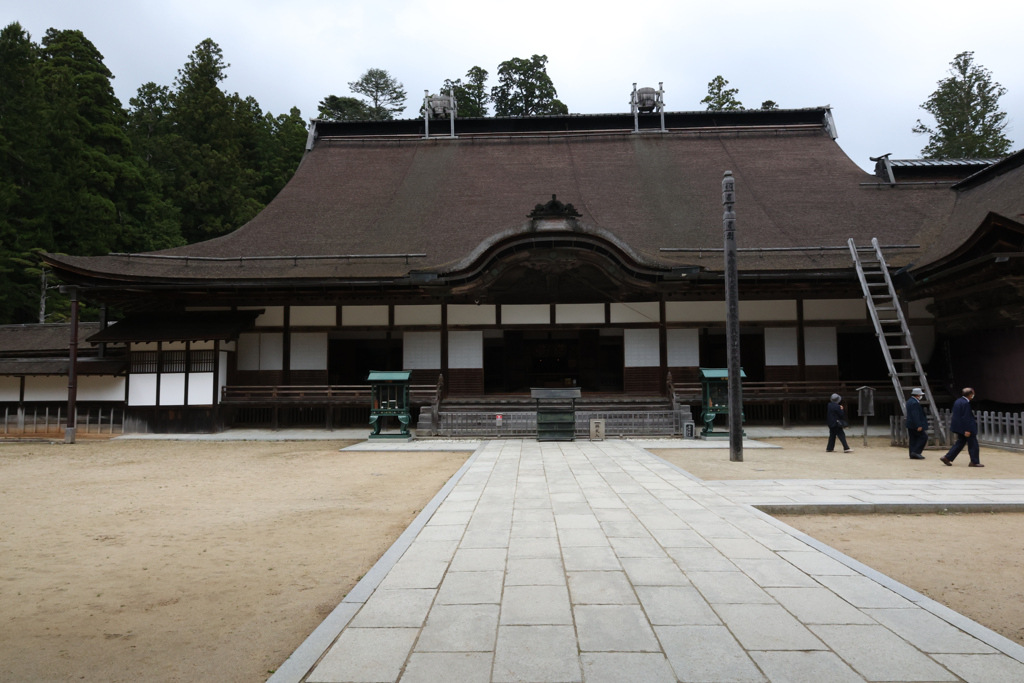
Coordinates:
column 975, row 464
column 917, row 456
column 945, row 461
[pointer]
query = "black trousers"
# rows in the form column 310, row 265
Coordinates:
column 918, row 440
column 834, row 432
column 972, row 447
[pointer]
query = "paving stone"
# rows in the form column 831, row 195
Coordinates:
column 534, row 605
column 535, row 572
column 774, row 572
column 614, row 514
column 626, row 667
column 728, row 587
column 450, row 517
column 532, row 515
column 637, row 547
column 984, row 668
column 817, row 564
column 600, row 588
column 804, row 667
column 485, row 539
column 576, row 521
column 459, row 628
column 590, row 559
column 614, row 628
column 441, row 533
column 606, row 503
column 534, row 547
column 767, row 627
column 706, row 653
column 928, row 632
column 395, row 608
column 878, row 654
column 431, row 550
column 625, row 529
column 700, row 560
column 653, row 571
column 818, row 606
column 675, row 605
column 536, row 654
column 716, row 529
column 365, row 655
column 478, row 560
column 413, row 574
column 451, row 667
column 533, row 503
column 680, row 538
column 779, row 542
column 582, row 538
column 471, row 588
column 741, row 548
column 860, row 591
column 533, row 530
column 664, row 521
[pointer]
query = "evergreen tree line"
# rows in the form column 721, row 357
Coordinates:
column 82, row 174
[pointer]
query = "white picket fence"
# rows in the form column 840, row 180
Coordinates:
column 994, row 428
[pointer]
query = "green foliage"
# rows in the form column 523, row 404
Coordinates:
column 471, row 97
column 525, row 89
column 769, row 104
column 334, row 108
column 721, row 98
column 969, row 122
column 386, row 94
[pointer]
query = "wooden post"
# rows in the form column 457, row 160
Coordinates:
column 69, row 432
column 732, row 319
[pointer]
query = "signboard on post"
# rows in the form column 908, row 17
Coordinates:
column 866, row 407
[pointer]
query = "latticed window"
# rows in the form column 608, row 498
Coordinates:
column 172, row 361
column 143, row 362
column 200, row 361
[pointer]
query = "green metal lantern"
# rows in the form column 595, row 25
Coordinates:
column 714, row 384
column 389, row 397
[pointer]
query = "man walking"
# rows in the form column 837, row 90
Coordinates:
column 917, row 425
column 966, row 430
column 835, row 416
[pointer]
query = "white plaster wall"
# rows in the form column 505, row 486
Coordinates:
column 695, row 311
column 683, row 348
column 10, row 388
column 142, row 390
column 526, row 314
column 820, row 346
column 172, row 389
column 46, row 388
column 639, row 312
column 835, row 309
column 466, row 349
column 576, row 314
column 919, row 309
column 143, row 346
column 312, row 316
column 770, row 310
column 924, row 341
column 421, row 351
column 100, row 388
column 203, row 345
column 249, row 351
column 640, row 348
column 309, row 351
column 200, row 388
column 467, row 314
column 418, row 315
column 271, row 351
column 174, row 346
column 780, row 346
column 364, row 315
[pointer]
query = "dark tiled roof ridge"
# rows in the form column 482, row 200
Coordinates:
column 1007, row 163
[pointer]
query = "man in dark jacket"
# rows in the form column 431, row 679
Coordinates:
column 966, row 430
column 917, row 425
column 836, row 419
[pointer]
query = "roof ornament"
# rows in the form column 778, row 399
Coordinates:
column 554, row 209
column 646, row 101
column 439, row 106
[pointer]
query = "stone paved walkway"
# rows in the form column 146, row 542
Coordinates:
column 599, row 562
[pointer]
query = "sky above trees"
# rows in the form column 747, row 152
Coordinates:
column 874, row 64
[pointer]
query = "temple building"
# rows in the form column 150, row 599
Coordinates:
column 502, row 254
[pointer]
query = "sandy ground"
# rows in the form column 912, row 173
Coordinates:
column 972, row 563
column 806, row 459
column 170, row 561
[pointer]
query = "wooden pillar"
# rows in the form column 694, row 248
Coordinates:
column 286, row 348
column 444, row 345
column 662, row 349
column 69, row 431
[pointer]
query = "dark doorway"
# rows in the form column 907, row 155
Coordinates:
column 349, row 361
column 715, row 354
column 524, row 359
column 860, row 359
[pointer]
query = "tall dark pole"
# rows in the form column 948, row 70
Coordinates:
column 69, row 431
column 732, row 320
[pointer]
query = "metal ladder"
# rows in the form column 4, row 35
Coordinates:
column 892, row 331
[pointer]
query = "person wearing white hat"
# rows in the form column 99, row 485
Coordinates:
column 917, row 425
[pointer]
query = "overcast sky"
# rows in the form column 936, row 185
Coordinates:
column 874, row 62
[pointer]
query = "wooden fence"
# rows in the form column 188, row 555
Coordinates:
column 42, row 420
column 1005, row 430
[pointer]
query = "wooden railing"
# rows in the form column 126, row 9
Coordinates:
column 339, row 394
column 796, row 390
